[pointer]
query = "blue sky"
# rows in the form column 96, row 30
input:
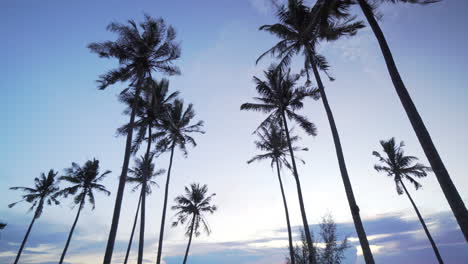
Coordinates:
column 53, row 115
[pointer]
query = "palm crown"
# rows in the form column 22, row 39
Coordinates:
column 279, row 94
column 143, row 173
column 84, row 180
column 273, row 142
column 192, row 206
column 45, row 190
column 399, row 166
column 139, row 53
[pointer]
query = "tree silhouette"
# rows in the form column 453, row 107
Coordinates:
column 139, row 54
column 191, row 208
column 84, row 181
column 280, row 98
column 274, row 144
column 177, row 127
column 448, row 187
column 143, row 175
column 400, row 167
column 300, row 29
column 44, row 191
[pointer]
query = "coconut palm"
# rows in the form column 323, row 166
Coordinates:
column 177, row 126
column 140, row 51
column 191, row 208
column 280, row 99
column 400, row 167
column 300, row 29
column 44, row 192
column 85, row 180
column 448, row 187
column 274, row 145
column 143, row 175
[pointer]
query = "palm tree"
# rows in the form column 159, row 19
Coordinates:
column 143, row 175
column 190, row 209
column 274, row 145
column 400, row 167
column 280, row 98
column 177, row 127
column 448, row 187
column 85, row 180
column 300, row 29
column 44, row 191
column 139, row 54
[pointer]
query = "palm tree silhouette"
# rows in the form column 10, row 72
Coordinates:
column 300, row 29
column 400, row 167
column 448, row 187
column 280, row 98
column 143, row 175
column 139, row 54
column 275, row 147
column 176, row 123
column 84, row 181
column 190, row 209
column 44, row 191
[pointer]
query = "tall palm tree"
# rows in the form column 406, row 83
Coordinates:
column 177, row 126
column 448, row 187
column 400, row 167
column 300, row 29
column 143, row 175
column 44, row 191
column 139, row 54
column 191, row 208
column 280, row 98
column 275, row 147
column 85, row 180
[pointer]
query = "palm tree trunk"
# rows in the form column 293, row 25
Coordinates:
column 163, row 218
column 445, row 182
column 25, row 239
column 369, row 258
column 141, row 244
column 310, row 245
column 72, row 229
column 291, row 246
column 434, row 247
column 133, row 231
column 190, row 240
column 122, row 181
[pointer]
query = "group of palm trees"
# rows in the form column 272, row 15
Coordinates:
column 300, row 29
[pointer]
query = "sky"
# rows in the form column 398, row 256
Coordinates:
column 53, row 115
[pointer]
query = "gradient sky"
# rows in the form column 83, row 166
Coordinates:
column 53, row 115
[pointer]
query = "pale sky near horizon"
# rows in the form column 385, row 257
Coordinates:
column 53, row 114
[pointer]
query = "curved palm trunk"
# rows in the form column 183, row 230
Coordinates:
column 190, row 240
column 72, row 230
column 141, row 244
column 163, row 218
column 25, row 239
column 449, row 189
column 434, row 247
column 133, row 231
column 291, row 246
column 122, row 181
column 310, row 245
column 369, row 258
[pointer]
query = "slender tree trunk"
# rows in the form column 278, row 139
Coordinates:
column 25, row 238
column 310, row 245
column 163, row 218
column 434, row 247
column 141, row 244
column 190, row 240
column 449, row 189
column 72, row 230
column 133, row 231
column 291, row 246
column 122, row 181
column 344, row 172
